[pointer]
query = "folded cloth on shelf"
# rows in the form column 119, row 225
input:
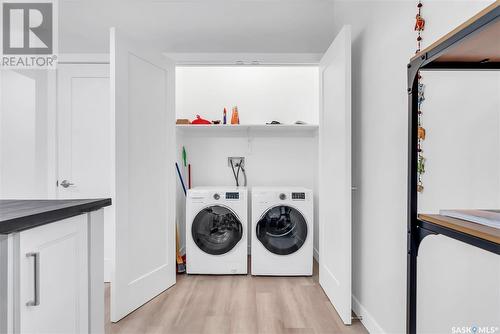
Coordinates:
column 484, row 217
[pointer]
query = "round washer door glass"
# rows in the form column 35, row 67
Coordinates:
column 282, row 230
column 216, row 230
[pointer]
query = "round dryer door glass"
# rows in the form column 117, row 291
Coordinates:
column 282, row 230
column 216, row 230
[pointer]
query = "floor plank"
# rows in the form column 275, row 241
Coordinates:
column 236, row 305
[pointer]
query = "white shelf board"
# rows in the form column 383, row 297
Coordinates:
column 250, row 130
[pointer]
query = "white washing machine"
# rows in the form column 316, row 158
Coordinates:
column 216, row 230
column 282, row 231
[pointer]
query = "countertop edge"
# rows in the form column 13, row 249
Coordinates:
column 19, row 224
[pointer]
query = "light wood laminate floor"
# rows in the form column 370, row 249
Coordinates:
column 236, row 304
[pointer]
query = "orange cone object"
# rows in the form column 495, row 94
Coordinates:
column 235, row 118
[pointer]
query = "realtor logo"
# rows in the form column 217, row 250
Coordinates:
column 28, row 34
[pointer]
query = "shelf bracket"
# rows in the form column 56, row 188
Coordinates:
column 413, row 68
column 421, row 233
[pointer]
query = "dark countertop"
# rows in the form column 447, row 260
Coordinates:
column 19, row 215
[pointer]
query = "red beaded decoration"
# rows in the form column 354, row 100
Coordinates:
column 419, row 27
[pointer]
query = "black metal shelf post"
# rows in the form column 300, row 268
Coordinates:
column 411, row 275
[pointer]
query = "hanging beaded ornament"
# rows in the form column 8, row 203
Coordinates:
column 419, row 27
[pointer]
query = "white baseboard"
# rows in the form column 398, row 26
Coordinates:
column 316, row 254
column 368, row 320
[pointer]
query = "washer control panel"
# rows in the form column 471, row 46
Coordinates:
column 299, row 196
column 216, row 197
column 232, row 195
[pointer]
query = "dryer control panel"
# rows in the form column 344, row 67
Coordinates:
column 232, row 195
column 299, row 196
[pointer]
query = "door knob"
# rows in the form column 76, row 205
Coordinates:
column 66, row 183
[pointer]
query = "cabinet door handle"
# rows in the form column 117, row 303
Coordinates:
column 36, row 275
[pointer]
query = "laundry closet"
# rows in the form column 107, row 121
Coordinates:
column 284, row 154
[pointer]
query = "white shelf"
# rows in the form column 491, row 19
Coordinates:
column 250, row 130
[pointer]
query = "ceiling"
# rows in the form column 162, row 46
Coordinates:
column 253, row 26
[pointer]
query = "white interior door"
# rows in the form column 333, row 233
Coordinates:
column 335, row 174
column 84, row 131
column 143, row 91
column 84, row 140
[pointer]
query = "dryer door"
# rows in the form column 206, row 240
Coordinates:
column 216, row 230
column 282, row 230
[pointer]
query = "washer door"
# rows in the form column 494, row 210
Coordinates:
column 282, row 230
column 216, row 230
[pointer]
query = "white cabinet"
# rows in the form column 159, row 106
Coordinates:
column 53, row 278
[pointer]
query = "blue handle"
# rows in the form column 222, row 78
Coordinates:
column 180, row 178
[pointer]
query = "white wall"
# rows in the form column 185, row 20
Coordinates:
column 462, row 146
column 458, row 285
column 25, row 134
column 262, row 94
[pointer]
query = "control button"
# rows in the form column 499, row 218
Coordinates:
column 216, row 197
column 282, row 196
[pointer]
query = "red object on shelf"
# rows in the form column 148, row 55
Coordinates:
column 200, row 120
